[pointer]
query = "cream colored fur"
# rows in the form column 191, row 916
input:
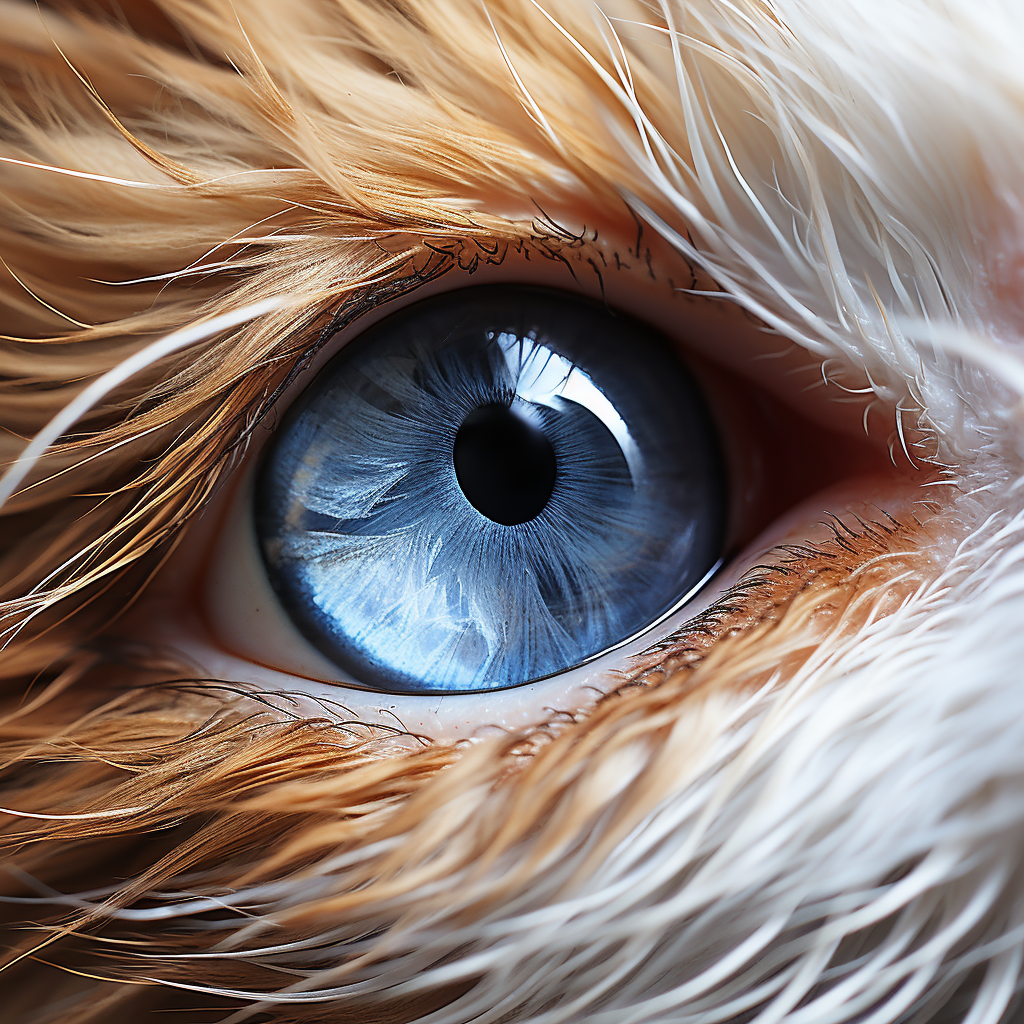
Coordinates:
column 812, row 812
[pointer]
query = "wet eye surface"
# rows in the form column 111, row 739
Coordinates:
column 488, row 487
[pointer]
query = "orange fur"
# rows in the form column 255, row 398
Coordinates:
column 164, row 162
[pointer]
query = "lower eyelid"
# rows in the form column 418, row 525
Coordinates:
column 213, row 628
column 876, row 522
column 213, row 643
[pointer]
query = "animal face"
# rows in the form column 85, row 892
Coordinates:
column 699, row 701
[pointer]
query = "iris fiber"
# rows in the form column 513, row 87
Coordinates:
column 488, row 487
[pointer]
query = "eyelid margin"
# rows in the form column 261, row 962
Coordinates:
column 530, row 700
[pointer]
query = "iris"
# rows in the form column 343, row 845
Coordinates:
column 488, row 487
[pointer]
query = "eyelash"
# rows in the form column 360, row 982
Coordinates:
column 755, row 602
column 725, row 616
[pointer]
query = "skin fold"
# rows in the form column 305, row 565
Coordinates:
column 798, row 799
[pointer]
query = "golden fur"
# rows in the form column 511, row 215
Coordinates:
column 205, row 848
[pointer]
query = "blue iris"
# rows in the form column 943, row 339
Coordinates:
column 488, row 487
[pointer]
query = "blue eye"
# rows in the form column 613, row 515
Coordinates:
column 489, row 487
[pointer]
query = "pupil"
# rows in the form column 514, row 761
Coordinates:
column 504, row 465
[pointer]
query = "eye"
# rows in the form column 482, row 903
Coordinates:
column 489, row 487
column 686, row 455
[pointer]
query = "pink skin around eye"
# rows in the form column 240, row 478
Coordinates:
column 214, row 606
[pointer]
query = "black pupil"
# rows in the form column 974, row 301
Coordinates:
column 504, row 464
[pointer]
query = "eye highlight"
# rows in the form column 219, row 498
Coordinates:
column 489, row 487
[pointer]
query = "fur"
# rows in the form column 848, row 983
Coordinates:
column 806, row 807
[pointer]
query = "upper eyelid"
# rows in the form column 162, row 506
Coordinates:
column 178, row 462
column 547, row 242
column 454, row 265
column 359, row 326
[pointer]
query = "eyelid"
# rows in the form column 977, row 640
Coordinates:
column 452, row 717
column 638, row 276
